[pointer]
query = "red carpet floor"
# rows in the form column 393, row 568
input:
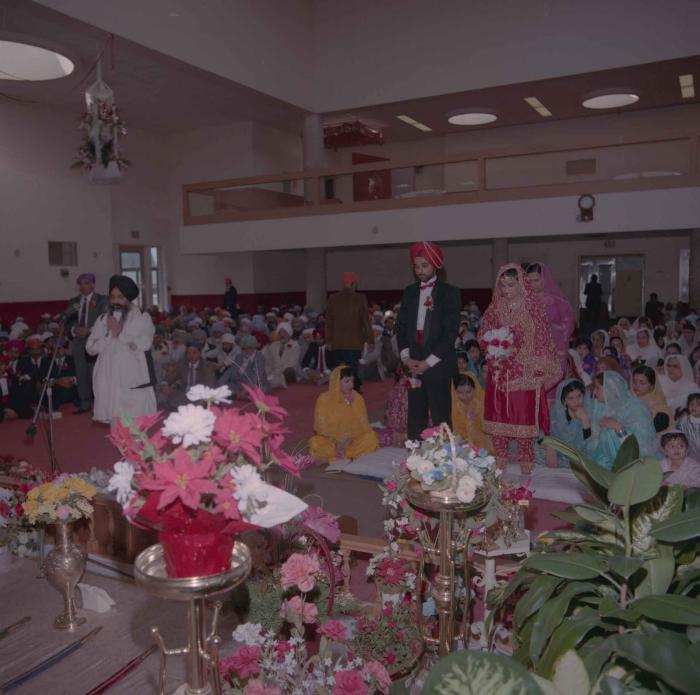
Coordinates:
column 82, row 443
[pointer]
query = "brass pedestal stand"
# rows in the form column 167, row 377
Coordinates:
column 202, row 650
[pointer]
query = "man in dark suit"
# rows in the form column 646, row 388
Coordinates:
column 81, row 314
column 193, row 370
column 426, row 333
column 31, row 369
column 65, row 388
column 347, row 324
column 231, row 298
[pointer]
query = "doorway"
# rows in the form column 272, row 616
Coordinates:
column 621, row 279
column 143, row 265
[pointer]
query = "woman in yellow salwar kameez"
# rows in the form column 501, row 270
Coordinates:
column 340, row 421
column 468, row 411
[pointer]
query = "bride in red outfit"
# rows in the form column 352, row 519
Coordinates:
column 522, row 364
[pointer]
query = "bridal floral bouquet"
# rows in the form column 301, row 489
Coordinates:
column 498, row 346
column 199, row 476
column 66, row 498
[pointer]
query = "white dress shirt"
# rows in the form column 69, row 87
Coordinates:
column 426, row 290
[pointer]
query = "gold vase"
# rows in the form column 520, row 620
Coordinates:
column 64, row 566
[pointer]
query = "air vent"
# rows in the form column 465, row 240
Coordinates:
column 580, row 166
column 63, row 253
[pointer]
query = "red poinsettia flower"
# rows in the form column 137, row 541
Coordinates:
column 226, row 504
column 237, row 432
column 265, row 404
column 123, row 438
column 182, row 478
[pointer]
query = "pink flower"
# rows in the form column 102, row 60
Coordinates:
column 265, row 404
column 226, row 504
column 239, row 433
column 379, row 673
column 319, row 520
column 333, row 630
column 257, row 687
column 391, row 571
column 245, row 660
column 5, row 509
column 430, row 432
column 392, row 486
column 295, row 607
column 282, row 648
column 183, row 479
column 63, row 512
column 299, row 571
column 390, row 658
column 349, row 683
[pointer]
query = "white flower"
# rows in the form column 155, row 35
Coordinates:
column 425, row 467
column 190, row 425
column 199, row 392
column 121, row 481
column 249, row 633
column 411, row 444
column 251, row 490
column 413, row 461
column 466, row 489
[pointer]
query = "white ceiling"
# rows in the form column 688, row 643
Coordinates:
column 153, row 90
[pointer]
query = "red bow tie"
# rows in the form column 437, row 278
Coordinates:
column 427, row 285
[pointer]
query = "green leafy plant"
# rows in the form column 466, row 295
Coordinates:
column 621, row 586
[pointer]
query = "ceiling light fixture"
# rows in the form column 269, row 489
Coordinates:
column 687, row 84
column 26, row 62
column 413, row 122
column 610, row 101
column 471, row 118
column 538, row 106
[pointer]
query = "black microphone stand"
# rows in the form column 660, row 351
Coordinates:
column 47, row 394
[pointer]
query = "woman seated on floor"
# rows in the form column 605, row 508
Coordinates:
column 468, row 411
column 647, row 390
column 676, row 381
column 617, row 413
column 570, row 419
column 340, row 421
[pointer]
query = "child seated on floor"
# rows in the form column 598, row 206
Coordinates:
column 690, row 426
column 677, row 467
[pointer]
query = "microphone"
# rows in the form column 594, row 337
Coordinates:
column 70, row 311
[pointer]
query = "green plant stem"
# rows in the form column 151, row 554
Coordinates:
column 613, row 581
column 628, row 531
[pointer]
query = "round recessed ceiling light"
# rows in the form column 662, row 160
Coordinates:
column 610, row 101
column 24, row 62
column 471, row 118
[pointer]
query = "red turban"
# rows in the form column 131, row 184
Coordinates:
column 349, row 279
column 430, row 251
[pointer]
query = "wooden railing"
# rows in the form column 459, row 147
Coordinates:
column 669, row 161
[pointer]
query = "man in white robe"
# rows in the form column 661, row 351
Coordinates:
column 120, row 338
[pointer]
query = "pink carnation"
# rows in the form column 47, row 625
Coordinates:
column 333, row 630
column 295, row 607
column 380, row 674
column 300, row 571
column 245, row 660
column 319, row 520
column 349, row 683
column 391, row 486
column 257, row 687
column 430, row 432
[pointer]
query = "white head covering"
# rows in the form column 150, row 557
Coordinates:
column 286, row 327
column 650, row 354
column 677, row 392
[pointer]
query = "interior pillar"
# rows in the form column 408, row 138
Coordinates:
column 316, row 285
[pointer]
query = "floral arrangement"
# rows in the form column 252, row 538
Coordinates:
column 15, row 529
column 266, row 664
column 392, row 574
column 102, row 125
column 201, row 471
column 440, row 462
column 393, row 637
column 66, row 498
column 498, row 346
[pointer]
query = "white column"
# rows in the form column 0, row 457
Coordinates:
column 499, row 255
column 694, row 275
column 316, row 286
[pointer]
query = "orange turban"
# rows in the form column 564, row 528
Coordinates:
column 430, row 251
column 349, row 279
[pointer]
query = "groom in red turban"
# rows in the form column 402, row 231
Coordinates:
column 426, row 332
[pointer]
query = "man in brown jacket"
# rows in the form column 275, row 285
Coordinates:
column 347, row 324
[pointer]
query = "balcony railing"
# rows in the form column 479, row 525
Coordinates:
column 639, row 164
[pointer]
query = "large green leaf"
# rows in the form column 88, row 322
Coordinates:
column 540, row 590
column 567, row 565
column 568, row 515
column 624, row 566
column 679, row 527
column 609, row 608
column 595, row 478
column 570, row 676
column 636, row 484
column 659, row 574
column 499, row 595
column 595, row 654
column 600, row 517
column 681, row 610
column 692, row 499
column 626, row 454
column 566, row 637
column 661, row 656
column 687, row 581
column 669, row 501
column 469, row 672
column 552, row 613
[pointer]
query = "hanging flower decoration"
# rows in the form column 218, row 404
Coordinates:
column 100, row 147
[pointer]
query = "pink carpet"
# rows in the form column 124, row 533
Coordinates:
column 82, row 443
